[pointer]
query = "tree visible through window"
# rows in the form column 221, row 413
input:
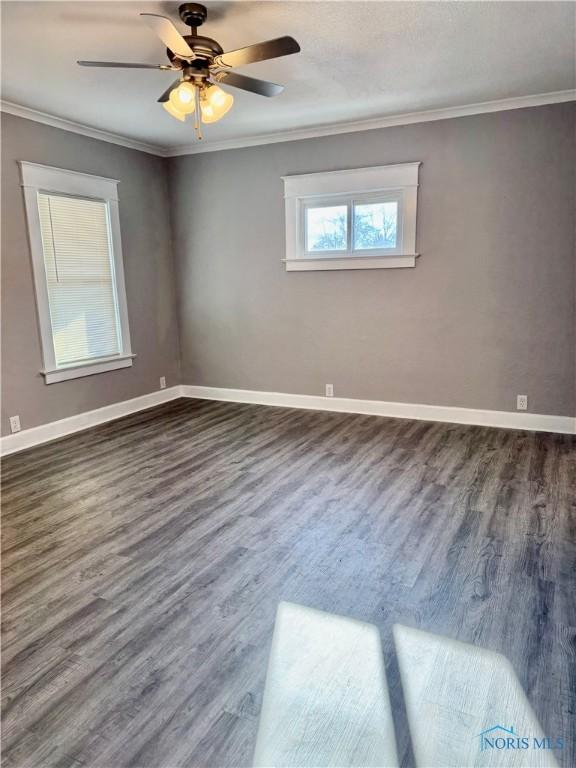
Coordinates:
column 375, row 225
column 326, row 228
column 361, row 218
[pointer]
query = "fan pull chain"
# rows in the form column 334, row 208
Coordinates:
column 197, row 120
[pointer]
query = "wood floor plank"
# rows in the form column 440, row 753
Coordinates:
column 456, row 691
column 144, row 560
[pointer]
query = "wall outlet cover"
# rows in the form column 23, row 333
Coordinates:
column 15, row 424
column 162, row 382
column 329, row 390
column 521, row 402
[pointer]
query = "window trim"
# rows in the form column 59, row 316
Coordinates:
column 37, row 178
column 376, row 183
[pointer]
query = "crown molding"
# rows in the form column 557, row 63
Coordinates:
column 332, row 129
column 84, row 130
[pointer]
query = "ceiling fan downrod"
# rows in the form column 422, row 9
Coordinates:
column 193, row 15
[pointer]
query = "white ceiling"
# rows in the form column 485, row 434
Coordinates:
column 359, row 60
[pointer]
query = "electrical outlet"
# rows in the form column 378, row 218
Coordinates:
column 15, row 424
column 521, row 402
column 162, row 382
column 329, row 390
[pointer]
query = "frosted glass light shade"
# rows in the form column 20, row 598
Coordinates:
column 183, row 98
column 171, row 109
column 215, row 104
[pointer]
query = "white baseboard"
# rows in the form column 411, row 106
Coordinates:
column 55, row 429
column 28, row 438
column 506, row 419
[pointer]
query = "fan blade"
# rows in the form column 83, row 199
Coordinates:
column 166, row 95
column 271, row 49
column 169, row 35
column 124, row 65
column 261, row 87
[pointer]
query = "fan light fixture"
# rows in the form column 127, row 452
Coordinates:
column 214, row 102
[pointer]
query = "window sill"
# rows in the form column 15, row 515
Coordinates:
column 87, row 369
column 350, row 262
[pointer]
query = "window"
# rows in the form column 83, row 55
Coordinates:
column 375, row 225
column 358, row 219
column 326, row 228
column 77, row 261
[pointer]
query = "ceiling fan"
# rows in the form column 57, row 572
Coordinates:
column 202, row 63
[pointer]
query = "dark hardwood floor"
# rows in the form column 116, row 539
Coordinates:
column 143, row 562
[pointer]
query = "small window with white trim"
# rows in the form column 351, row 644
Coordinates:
column 78, row 274
column 357, row 219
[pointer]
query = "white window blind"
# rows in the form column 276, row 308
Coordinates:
column 76, row 249
column 78, row 261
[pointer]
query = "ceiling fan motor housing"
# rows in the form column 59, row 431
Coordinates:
column 193, row 14
column 204, row 47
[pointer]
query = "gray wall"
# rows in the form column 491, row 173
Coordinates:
column 148, row 265
column 488, row 313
